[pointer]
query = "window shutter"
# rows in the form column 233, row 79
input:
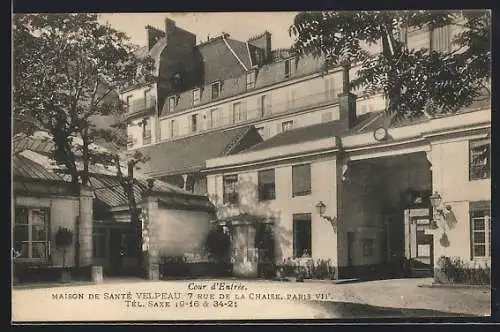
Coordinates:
column 278, row 128
column 243, row 111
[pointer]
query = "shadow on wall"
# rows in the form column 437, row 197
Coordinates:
column 250, row 206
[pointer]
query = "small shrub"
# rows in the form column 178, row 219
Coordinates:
column 306, row 269
column 455, row 270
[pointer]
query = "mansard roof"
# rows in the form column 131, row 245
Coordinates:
column 267, row 75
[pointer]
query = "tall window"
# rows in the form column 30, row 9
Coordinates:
column 251, row 79
column 127, row 103
column 289, row 67
column 194, row 123
column 302, row 236
column 267, row 187
column 287, row 125
column 215, row 120
column 480, row 229
column 196, row 96
column 479, row 160
column 239, row 114
column 301, row 180
column 171, row 104
column 215, row 90
column 146, row 132
column 265, row 105
column 441, row 39
column 230, row 188
column 173, row 128
column 31, row 233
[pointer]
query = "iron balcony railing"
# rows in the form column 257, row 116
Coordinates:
column 229, row 115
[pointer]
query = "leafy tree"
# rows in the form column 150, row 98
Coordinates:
column 67, row 68
column 414, row 81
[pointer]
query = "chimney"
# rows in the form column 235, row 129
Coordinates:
column 347, row 102
column 153, row 35
column 169, row 26
column 262, row 41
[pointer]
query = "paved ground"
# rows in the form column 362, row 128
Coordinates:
column 179, row 300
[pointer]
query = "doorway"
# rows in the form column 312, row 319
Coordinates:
column 419, row 246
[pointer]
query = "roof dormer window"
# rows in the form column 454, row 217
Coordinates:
column 251, row 75
column 171, row 103
column 289, row 68
column 196, row 96
column 215, row 90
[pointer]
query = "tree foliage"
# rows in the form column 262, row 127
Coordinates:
column 67, row 68
column 414, row 81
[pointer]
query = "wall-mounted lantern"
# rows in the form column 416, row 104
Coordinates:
column 439, row 209
column 321, row 208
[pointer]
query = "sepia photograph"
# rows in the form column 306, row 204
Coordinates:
column 244, row 166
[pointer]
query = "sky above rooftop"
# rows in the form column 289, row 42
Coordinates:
column 240, row 25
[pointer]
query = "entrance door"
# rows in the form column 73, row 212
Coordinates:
column 419, row 246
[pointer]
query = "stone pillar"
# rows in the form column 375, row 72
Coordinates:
column 149, row 235
column 85, row 227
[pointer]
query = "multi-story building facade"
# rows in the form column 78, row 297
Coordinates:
column 226, row 112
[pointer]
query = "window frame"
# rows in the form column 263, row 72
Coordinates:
column 303, row 192
column 173, row 131
column 238, row 116
column 252, row 74
column 287, row 122
column 302, row 218
column 218, row 84
column 290, row 65
column 30, row 241
column 480, row 213
column 217, row 118
column 196, row 101
column 231, row 197
column 194, row 123
column 146, row 133
column 172, row 103
column 472, row 175
column 265, row 193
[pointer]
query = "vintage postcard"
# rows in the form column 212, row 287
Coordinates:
column 251, row 166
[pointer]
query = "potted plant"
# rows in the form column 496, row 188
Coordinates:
column 64, row 239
